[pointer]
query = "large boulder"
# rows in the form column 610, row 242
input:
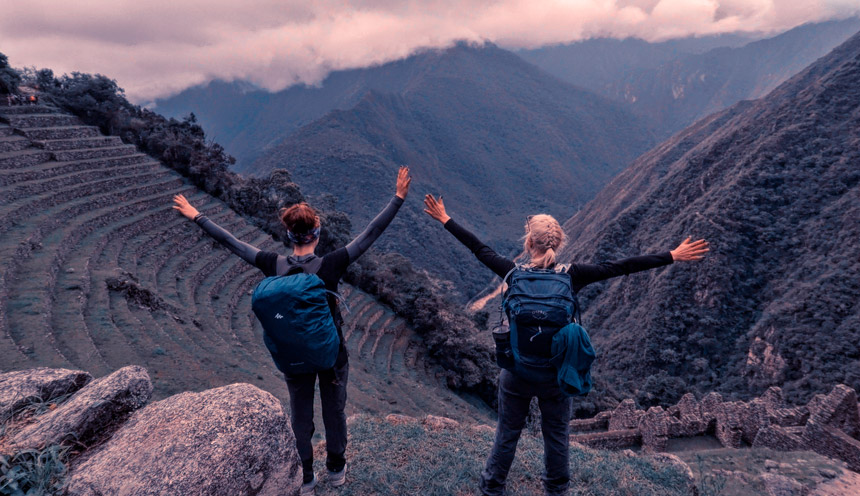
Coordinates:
column 779, row 485
column 91, row 412
column 23, row 387
column 233, row 440
column 672, row 460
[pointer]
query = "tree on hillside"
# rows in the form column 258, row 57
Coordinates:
column 9, row 77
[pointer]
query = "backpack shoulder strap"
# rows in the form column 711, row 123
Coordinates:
column 505, row 279
column 312, row 265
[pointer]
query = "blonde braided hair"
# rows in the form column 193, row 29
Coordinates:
column 544, row 237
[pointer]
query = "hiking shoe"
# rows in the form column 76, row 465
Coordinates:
column 337, row 478
column 308, row 487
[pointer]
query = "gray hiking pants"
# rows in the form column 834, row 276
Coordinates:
column 333, row 401
column 514, row 398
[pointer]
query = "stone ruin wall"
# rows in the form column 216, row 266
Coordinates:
column 828, row 424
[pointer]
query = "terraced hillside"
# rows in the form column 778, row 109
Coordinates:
column 99, row 272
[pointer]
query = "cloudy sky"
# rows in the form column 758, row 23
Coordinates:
column 159, row 47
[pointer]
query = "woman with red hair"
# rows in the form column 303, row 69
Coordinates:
column 303, row 230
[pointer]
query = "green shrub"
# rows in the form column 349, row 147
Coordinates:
column 9, row 77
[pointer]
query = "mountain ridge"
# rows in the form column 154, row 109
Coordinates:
column 675, row 83
column 767, row 182
column 495, row 135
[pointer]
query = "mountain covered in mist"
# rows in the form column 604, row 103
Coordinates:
column 672, row 84
column 597, row 64
column 496, row 136
column 774, row 185
column 247, row 120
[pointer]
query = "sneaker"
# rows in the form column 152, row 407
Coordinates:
column 337, row 478
column 308, row 487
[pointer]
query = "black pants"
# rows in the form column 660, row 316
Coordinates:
column 515, row 395
column 333, row 400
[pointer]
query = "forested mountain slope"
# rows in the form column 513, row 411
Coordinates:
column 598, row 64
column 248, row 120
column 498, row 137
column 674, row 83
column 774, row 185
column 681, row 91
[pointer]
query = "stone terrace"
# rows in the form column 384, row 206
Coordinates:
column 99, row 272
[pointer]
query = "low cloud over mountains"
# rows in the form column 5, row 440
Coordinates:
column 160, row 47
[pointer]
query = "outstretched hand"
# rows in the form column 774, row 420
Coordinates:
column 184, row 207
column 435, row 208
column 403, row 182
column 690, row 251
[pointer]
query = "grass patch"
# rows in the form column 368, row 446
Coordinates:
column 385, row 459
column 34, row 472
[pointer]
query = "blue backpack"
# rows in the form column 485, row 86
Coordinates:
column 298, row 327
column 539, row 303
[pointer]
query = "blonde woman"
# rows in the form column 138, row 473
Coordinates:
column 544, row 237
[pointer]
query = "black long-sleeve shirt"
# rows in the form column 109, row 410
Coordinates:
column 332, row 267
column 334, row 264
column 581, row 275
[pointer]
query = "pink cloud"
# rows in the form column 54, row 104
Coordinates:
column 160, row 47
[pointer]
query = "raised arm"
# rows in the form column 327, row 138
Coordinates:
column 363, row 241
column 687, row 251
column 247, row 252
column 486, row 255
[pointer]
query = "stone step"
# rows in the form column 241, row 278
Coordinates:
column 61, row 132
column 25, row 109
column 52, row 169
column 13, row 144
column 89, row 153
column 55, row 145
column 23, row 158
column 107, row 162
column 27, row 121
column 39, row 185
column 49, row 170
column 6, row 131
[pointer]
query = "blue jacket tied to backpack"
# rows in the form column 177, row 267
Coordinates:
column 572, row 356
column 299, row 330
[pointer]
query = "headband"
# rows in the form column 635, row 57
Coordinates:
column 303, row 239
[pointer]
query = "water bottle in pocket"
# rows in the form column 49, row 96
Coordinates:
column 504, row 353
